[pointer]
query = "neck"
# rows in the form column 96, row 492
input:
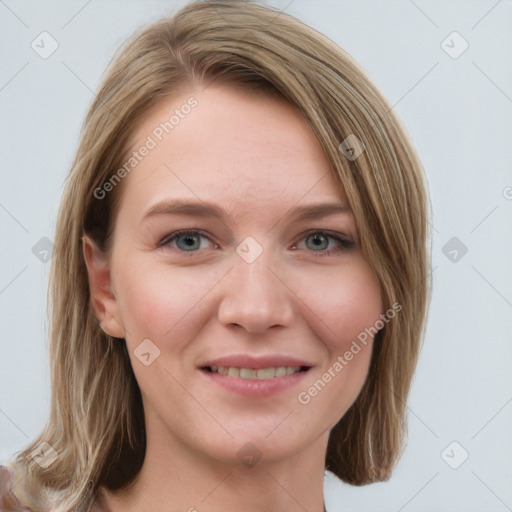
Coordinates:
column 176, row 478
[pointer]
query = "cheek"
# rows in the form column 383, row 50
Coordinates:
column 155, row 298
column 347, row 305
column 345, row 302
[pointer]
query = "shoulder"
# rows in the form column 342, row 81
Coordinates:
column 8, row 500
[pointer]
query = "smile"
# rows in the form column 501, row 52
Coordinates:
column 271, row 372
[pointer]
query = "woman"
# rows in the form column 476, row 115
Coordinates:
column 240, row 277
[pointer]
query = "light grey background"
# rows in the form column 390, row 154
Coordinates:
column 458, row 112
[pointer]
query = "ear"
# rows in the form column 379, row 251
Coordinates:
column 103, row 299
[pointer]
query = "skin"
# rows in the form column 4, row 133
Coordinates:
column 256, row 157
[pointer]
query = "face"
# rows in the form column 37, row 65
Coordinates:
column 236, row 279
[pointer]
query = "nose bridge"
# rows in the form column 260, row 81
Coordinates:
column 253, row 296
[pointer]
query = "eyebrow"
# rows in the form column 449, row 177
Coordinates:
column 210, row 210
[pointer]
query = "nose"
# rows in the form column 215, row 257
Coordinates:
column 254, row 297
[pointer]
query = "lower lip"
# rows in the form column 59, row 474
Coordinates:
column 255, row 387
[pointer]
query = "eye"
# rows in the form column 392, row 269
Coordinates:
column 319, row 241
column 186, row 241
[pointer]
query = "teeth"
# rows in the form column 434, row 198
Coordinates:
column 260, row 374
column 233, row 372
column 281, row 371
column 265, row 373
column 247, row 373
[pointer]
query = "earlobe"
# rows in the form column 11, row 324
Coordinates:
column 103, row 300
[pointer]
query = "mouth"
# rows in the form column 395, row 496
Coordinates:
column 269, row 373
column 255, row 375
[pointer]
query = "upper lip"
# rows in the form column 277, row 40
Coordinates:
column 256, row 362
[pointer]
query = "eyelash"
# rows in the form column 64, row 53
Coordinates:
column 343, row 244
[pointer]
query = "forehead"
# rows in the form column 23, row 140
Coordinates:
column 248, row 149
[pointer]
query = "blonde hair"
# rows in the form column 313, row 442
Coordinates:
column 96, row 421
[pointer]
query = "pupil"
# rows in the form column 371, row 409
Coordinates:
column 189, row 240
column 318, row 240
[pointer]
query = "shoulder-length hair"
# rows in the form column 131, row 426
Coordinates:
column 96, row 421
